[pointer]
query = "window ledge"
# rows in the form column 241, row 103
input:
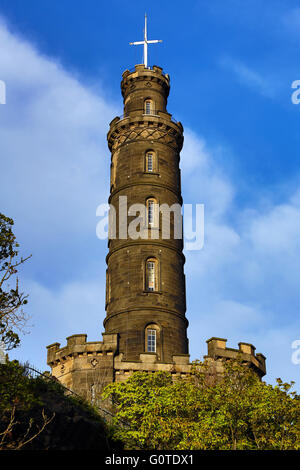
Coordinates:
column 151, row 114
column 152, row 292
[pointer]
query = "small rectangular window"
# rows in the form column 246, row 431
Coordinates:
column 148, row 107
column 149, row 162
column 151, row 275
column 151, row 340
column 151, row 212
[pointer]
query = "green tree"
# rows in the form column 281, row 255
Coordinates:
column 37, row 413
column 205, row 411
column 18, row 427
column 12, row 317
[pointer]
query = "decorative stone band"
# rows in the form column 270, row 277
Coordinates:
column 145, row 128
column 155, row 309
column 137, row 182
column 156, row 243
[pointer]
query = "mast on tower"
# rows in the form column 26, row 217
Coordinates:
column 145, row 43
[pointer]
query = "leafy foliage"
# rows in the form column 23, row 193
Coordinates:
column 12, row 300
column 18, row 427
column 36, row 413
column 205, row 411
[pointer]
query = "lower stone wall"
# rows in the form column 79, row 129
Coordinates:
column 148, row 363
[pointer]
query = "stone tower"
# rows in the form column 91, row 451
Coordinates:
column 145, row 300
column 145, row 323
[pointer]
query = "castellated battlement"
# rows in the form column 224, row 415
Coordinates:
column 86, row 367
column 217, row 351
column 78, row 345
column 140, row 74
column 82, row 366
column 140, row 70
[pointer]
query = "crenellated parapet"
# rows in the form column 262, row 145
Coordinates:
column 217, row 350
column 77, row 345
column 181, row 365
column 86, row 367
column 81, row 365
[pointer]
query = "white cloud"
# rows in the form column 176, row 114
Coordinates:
column 55, row 172
column 291, row 20
column 75, row 307
column 277, row 231
column 53, row 137
column 263, row 83
column 202, row 178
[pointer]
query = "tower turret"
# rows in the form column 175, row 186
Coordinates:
column 145, row 301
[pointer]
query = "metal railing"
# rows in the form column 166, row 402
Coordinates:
column 33, row 372
column 127, row 115
column 149, row 67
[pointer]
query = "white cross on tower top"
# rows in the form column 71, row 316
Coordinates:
column 145, row 43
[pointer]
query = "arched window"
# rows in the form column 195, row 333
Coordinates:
column 149, row 106
column 152, row 206
column 151, row 275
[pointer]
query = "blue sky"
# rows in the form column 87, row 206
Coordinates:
column 231, row 64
